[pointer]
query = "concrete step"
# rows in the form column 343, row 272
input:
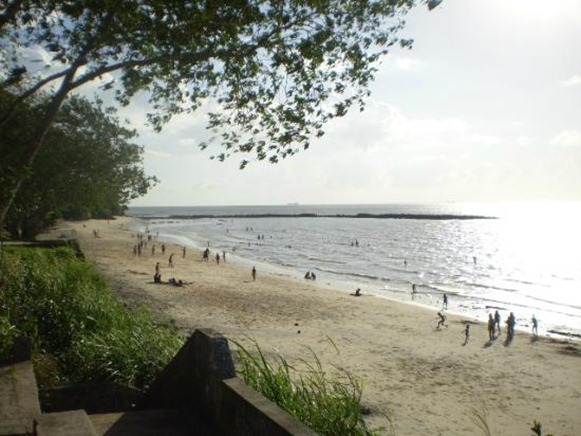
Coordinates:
column 19, row 405
column 174, row 422
column 70, row 423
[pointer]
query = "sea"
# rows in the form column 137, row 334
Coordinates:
column 523, row 258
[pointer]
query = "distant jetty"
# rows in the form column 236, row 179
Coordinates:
column 401, row 216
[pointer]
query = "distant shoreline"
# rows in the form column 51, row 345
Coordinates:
column 405, row 216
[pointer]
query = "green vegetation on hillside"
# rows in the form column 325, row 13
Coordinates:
column 80, row 330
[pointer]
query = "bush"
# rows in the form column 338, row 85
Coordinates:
column 329, row 406
column 64, row 305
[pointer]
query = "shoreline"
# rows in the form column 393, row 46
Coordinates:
column 403, row 216
column 423, row 378
column 470, row 308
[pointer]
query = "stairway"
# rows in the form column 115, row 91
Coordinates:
column 20, row 414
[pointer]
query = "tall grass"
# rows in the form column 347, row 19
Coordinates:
column 329, row 405
column 76, row 323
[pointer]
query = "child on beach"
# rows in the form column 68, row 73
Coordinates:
column 442, row 321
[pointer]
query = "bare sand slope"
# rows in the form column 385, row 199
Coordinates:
column 426, row 380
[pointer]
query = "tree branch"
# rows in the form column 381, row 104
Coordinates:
column 8, row 115
column 10, row 12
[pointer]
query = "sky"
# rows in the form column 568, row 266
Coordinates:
column 486, row 107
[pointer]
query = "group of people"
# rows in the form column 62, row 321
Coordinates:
column 494, row 330
column 206, row 256
column 494, row 325
column 310, row 276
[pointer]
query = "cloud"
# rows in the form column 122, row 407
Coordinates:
column 574, row 80
column 156, row 153
column 408, row 64
column 568, row 138
column 524, row 140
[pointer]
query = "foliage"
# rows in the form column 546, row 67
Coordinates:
column 89, row 169
column 274, row 71
column 479, row 416
column 537, row 429
column 329, row 406
column 74, row 320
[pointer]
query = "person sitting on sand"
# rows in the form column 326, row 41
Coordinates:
column 157, row 278
column 357, row 293
column 308, row 275
column 442, row 321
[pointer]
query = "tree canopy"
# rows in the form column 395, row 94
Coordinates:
column 89, row 167
column 273, row 72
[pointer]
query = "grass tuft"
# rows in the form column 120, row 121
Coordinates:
column 329, row 405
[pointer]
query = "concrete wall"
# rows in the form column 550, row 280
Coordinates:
column 202, row 376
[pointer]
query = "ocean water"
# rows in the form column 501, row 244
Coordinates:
column 525, row 261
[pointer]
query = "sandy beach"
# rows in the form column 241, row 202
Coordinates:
column 426, row 380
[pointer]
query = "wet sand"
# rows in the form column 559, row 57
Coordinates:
column 424, row 379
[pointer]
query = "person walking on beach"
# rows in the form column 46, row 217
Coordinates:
column 184, row 252
column 162, row 248
column 535, row 327
column 445, row 305
column 223, row 255
column 170, row 261
column 491, row 327
column 253, row 273
column 466, row 334
column 497, row 321
column 217, row 259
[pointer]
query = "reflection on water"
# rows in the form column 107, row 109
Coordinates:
column 525, row 261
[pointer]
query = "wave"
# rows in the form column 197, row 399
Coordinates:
column 324, row 260
column 353, row 274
